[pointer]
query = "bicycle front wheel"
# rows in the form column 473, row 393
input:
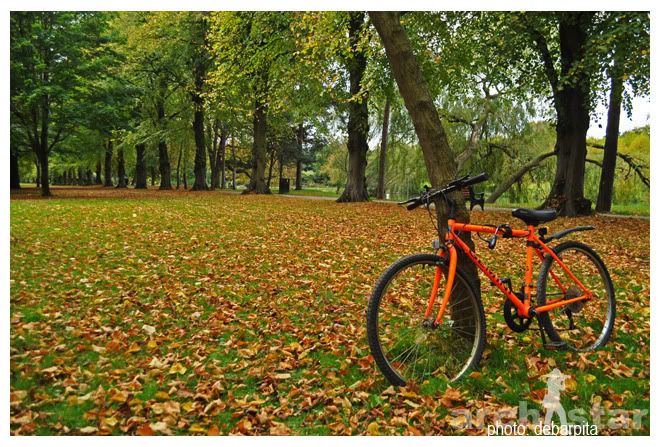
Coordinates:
column 582, row 325
column 405, row 346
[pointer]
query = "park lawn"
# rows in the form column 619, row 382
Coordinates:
column 316, row 192
column 205, row 313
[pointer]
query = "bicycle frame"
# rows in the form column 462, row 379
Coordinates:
column 535, row 246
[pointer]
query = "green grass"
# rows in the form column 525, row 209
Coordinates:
column 257, row 308
column 319, row 191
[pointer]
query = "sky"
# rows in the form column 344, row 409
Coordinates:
column 641, row 115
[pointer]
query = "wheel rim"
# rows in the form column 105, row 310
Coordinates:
column 413, row 349
column 585, row 324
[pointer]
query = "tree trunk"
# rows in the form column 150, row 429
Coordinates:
column 233, row 164
column 14, row 173
column 140, row 166
column 606, row 187
column 108, row 165
column 200, row 144
column 163, row 156
column 438, row 156
column 213, row 155
column 98, row 179
column 178, row 168
column 38, row 179
column 300, row 139
column 223, row 160
column 571, row 102
column 380, row 191
column 185, row 172
column 45, row 187
column 257, row 179
column 358, row 117
column 121, row 170
column 270, row 168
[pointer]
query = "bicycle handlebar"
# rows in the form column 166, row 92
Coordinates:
column 452, row 186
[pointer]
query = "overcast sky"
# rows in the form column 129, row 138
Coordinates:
column 640, row 117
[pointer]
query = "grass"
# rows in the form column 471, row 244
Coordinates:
column 248, row 312
column 319, row 191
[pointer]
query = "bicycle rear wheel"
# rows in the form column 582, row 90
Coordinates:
column 408, row 348
column 583, row 325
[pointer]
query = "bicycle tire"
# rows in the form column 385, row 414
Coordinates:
column 373, row 309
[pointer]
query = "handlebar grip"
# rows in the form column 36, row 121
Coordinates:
column 476, row 179
column 413, row 205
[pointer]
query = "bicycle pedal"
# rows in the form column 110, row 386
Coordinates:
column 556, row 345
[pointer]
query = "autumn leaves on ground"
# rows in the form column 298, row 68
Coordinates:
column 214, row 313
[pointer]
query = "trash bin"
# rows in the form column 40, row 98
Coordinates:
column 284, row 186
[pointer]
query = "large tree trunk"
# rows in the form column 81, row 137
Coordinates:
column 200, row 144
column 163, row 156
column 121, row 170
column 257, row 178
column 140, row 167
column 14, row 173
column 382, row 157
column 108, row 164
column 358, row 117
column 606, row 187
column 571, row 100
column 438, row 156
column 38, row 179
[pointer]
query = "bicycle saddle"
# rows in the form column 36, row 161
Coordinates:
column 534, row 217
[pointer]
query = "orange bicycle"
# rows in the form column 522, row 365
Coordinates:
column 425, row 318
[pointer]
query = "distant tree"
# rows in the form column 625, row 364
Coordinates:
column 52, row 56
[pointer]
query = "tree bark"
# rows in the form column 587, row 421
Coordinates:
column 606, row 186
column 300, row 140
column 121, row 169
column 163, row 156
column 98, row 179
column 438, row 156
column 270, row 168
column 108, row 165
column 223, row 159
column 358, row 117
column 233, row 164
column 571, row 101
column 140, row 166
column 178, row 168
column 257, row 178
column 200, row 144
column 14, row 174
column 38, row 179
column 43, row 162
column 382, row 157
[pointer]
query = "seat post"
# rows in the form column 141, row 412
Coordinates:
column 529, row 268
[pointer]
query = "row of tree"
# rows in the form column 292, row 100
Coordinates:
column 227, row 94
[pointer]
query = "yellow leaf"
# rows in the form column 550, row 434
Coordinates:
column 373, row 428
column 178, row 368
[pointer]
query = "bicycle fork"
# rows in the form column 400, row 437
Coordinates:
column 451, row 275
